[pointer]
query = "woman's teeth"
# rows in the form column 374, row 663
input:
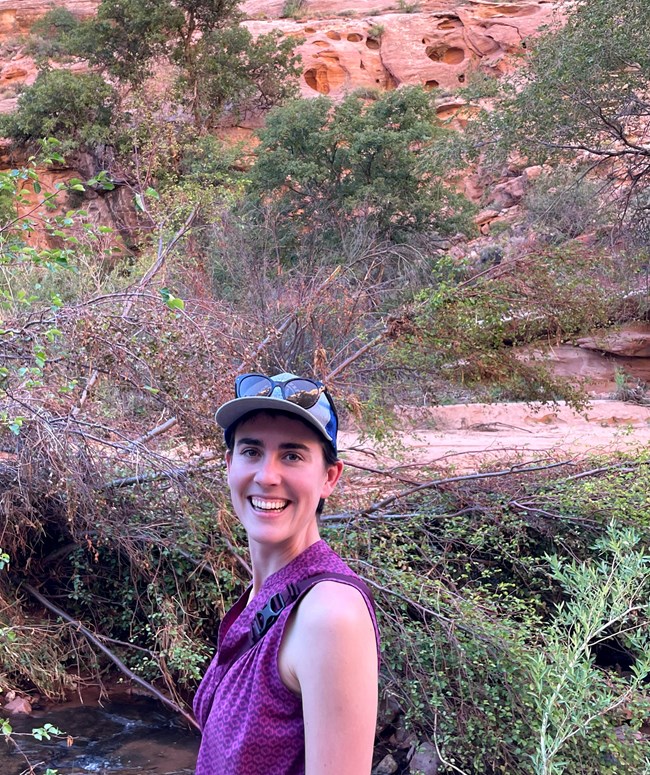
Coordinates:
column 268, row 505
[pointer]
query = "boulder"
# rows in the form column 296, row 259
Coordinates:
column 18, row 706
column 425, row 760
column 631, row 340
column 594, row 370
column 387, row 766
column 508, row 193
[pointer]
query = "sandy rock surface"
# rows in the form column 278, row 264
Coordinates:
column 17, row 16
column 631, row 340
column 467, row 436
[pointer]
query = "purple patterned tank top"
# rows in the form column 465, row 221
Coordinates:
column 252, row 724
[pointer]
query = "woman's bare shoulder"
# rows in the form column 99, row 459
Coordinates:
column 332, row 605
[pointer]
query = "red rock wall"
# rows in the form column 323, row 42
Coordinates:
column 436, row 47
column 17, row 16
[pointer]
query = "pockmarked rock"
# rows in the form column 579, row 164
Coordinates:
column 436, row 46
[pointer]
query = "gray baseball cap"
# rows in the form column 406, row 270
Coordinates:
column 307, row 399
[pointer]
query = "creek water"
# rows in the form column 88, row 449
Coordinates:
column 119, row 738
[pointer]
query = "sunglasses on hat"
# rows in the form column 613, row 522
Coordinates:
column 298, row 390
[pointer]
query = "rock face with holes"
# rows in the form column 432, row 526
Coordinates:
column 436, row 45
column 373, row 45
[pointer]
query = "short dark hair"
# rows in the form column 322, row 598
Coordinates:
column 329, row 453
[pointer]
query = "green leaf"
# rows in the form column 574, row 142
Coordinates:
column 174, row 303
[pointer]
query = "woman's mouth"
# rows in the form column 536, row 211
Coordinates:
column 268, row 504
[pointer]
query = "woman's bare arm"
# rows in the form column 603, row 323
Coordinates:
column 329, row 657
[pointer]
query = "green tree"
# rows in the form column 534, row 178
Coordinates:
column 219, row 62
column 228, row 66
column 583, row 92
column 77, row 107
column 322, row 165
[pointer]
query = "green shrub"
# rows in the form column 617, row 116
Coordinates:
column 469, row 329
column 50, row 36
column 563, row 204
column 292, row 8
column 78, row 108
column 324, row 166
column 491, row 620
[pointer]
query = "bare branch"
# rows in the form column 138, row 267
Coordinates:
column 115, row 659
column 514, row 470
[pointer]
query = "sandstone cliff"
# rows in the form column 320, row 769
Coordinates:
column 373, row 45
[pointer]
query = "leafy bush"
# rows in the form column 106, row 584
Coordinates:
column 493, row 617
column 548, row 114
column 51, row 35
column 468, row 328
column 78, row 107
column 322, row 166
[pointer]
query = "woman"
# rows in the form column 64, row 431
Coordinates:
column 292, row 689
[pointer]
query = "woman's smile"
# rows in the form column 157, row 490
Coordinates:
column 264, row 504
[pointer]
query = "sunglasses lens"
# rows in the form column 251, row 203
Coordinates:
column 303, row 392
column 254, row 385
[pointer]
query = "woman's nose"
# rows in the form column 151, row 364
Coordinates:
column 267, row 472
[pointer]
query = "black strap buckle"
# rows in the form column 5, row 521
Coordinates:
column 266, row 617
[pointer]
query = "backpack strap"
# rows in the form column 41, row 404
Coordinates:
column 267, row 616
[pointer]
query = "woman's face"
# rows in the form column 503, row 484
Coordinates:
column 277, row 474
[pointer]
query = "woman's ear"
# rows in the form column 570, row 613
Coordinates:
column 334, row 472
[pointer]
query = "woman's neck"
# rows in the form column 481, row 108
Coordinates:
column 267, row 560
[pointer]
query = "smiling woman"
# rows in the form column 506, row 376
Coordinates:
column 292, row 689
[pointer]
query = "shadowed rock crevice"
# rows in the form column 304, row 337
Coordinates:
column 447, row 55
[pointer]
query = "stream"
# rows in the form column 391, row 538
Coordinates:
column 137, row 737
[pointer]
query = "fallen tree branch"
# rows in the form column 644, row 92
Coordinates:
column 464, row 478
column 361, row 351
column 86, row 391
column 172, row 473
column 155, row 432
column 115, row 659
column 553, row 515
column 390, row 472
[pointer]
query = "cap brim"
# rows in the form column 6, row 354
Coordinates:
column 233, row 410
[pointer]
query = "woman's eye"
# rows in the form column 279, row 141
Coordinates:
column 251, row 452
column 293, row 457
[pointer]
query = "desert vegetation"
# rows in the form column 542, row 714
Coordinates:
column 513, row 602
